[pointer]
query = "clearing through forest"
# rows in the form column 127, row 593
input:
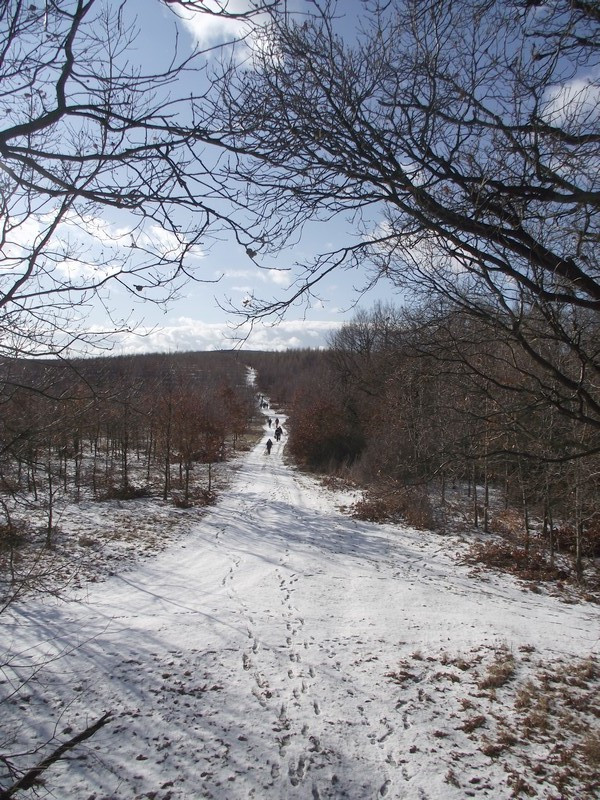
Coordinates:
column 285, row 650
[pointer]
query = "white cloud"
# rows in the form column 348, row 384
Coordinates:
column 280, row 277
column 576, row 102
column 245, row 290
column 74, row 270
column 207, row 29
column 277, row 276
column 90, row 243
column 166, row 244
column 250, row 33
column 19, row 239
column 188, row 334
column 238, row 273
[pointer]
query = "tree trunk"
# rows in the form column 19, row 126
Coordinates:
column 475, row 508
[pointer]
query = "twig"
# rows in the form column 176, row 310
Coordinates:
column 30, row 778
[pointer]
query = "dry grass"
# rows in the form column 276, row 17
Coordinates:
column 500, row 671
column 402, row 675
column 527, row 555
column 538, row 722
column 471, row 724
column 590, row 749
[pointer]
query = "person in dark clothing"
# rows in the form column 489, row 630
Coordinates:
column 278, row 432
column 269, row 446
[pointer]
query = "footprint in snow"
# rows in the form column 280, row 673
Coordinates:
column 259, row 697
column 388, row 733
column 296, row 773
column 260, row 679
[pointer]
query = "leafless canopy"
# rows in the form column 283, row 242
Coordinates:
column 462, row 138
column 103, row 177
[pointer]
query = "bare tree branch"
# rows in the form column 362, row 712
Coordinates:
column 32, row 776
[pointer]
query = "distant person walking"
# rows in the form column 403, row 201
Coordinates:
column 277, row 422
column 278, row 432
column 269, row 420
column 269, row 446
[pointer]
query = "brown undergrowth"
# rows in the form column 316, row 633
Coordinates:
column 500, row 542
column 392, row 503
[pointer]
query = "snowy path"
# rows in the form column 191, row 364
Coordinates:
column 252, row 660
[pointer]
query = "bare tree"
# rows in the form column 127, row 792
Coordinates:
column 104, row 173
column 462, row 139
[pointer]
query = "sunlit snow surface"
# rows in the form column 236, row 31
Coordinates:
column 255, row 658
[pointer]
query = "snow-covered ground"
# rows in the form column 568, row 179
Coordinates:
column 285, row 650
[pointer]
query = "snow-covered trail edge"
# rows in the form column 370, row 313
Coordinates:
column 252, row 659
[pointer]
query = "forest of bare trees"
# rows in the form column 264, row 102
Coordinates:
column 107, row 428
column 428, row 413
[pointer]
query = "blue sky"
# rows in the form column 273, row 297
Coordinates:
column 196, row 320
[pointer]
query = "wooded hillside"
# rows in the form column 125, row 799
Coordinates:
column 448, row 425
column 119, row 427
